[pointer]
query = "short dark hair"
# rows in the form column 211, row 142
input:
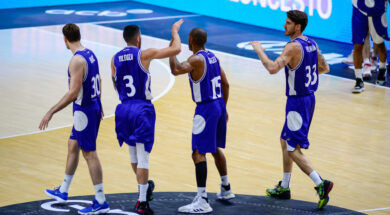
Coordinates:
column 130, row 32
column 198, row 36
column 71, row 32
column 298, row 17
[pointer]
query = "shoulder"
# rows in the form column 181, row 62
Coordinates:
column 77, row 60
column 195, row 60
column 292, row 47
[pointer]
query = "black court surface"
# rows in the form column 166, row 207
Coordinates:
column 167, row 203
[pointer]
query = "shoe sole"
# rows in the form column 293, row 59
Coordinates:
column 102, row 211
column 196, row 212
column 270, row 195
column 358, row 91
column 231, row 196
column 322, row 203
column 58, row 199
column 151, row 185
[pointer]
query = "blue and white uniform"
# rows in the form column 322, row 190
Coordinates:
column 369, row 17
column 87, row 109
column 209, row 123
column 301, row 83
column 135, row 117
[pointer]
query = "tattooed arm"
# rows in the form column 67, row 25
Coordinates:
column 274, row 67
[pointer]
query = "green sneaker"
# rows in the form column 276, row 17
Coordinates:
column 279, row 192
column 323, row 191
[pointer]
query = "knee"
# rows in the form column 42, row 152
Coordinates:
column 142, row 157
column 89, row 155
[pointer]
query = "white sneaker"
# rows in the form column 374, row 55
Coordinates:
column 348, row 60
column 225, row 193
column 199, row 205
column 367, row 71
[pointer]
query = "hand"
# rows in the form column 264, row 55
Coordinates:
column 45, row 121
column 256, row 45
column 176, row 26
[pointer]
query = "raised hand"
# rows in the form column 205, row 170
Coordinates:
column 176, row 26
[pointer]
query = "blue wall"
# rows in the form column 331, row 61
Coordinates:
column 7, row 4
column 329, row 19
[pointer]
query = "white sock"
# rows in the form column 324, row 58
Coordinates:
column 99, row 193
column 382, row 65
column 143, row 188
column 225, row 180
column 286, row 180
column 315, row 177
column 202, row 192
column 358, row 73
column 366, row 60
column 66, row 183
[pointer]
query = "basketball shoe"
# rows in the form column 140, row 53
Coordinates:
column 57, row 195
column 323, row 191
column 225, row 193
column 199, row 205
column 279, row 192
column 95, row 208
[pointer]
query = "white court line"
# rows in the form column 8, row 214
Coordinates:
column 165, row 91
column 142, row 19
column 375, row 209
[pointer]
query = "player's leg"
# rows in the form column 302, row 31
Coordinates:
column 219, row 157
column 359, row 33
column 282, row 189
column 61, row 193
column 379, row 33
column 366, row 59
column 323, row 187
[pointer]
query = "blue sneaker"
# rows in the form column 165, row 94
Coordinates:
column 57, row 195
column 95, row 208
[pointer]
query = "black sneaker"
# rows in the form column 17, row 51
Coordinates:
column 279, row 192
column 143, row 208
column 323, row 191
column 381, row 80
column 149, row 193
column 359, row 86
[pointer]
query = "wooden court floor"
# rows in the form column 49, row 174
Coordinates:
column 349, row 135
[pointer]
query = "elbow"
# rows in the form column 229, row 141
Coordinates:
column 174, row 72
column 177, row 50
column 273, row 71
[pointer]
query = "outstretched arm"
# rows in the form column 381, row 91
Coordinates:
column 76, row 70
column 173, row 49
column 273, row 67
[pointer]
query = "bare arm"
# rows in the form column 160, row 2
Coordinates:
column 76, row 70
column 113, row 72
column 323, row 66
column 173, row 49
column 274, row 67
column 224, row 86
column 184, row 67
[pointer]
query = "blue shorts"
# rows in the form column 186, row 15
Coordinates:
column 134, row 123
column 299, row 113
column 86, row 122
column 209, row 126
column 362, row 25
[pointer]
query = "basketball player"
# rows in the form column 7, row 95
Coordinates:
column 302, row 62
column 84, row 92
column 135, row 117
column 369, row 17
column 210, row 92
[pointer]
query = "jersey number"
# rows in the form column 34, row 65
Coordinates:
column 216, row 84
column 311, row 74
column 95, row 86
column 130, row 84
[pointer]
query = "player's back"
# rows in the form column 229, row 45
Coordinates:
column 132, row 80
column 90, row 88
column 303, row 79
column 208, row 87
